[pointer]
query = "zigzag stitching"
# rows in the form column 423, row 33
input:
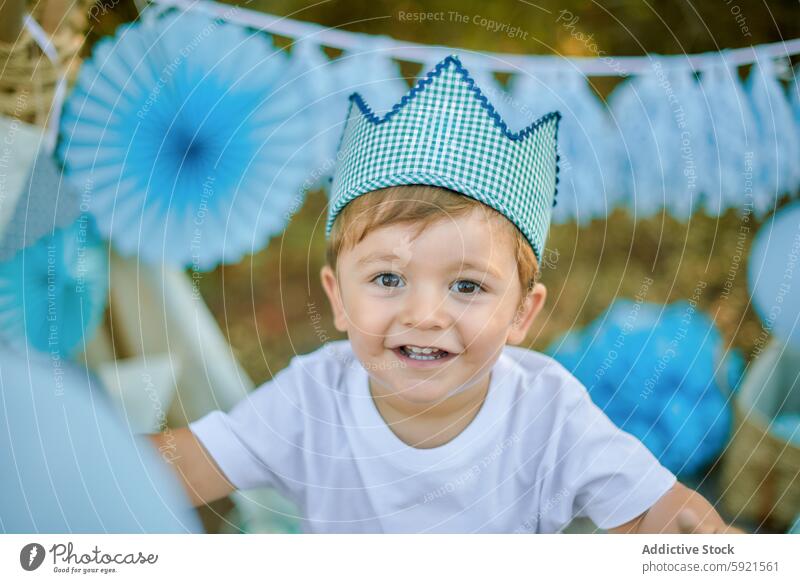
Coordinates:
column 482, row 99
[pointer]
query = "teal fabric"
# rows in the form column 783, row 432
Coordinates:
column 445, row 132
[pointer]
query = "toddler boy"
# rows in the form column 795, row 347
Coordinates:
column 427, row 418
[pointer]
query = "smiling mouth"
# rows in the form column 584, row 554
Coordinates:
column 413, row 354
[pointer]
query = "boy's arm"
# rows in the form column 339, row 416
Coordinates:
column 202, row 479
column 680, row 510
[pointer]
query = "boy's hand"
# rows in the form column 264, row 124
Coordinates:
column 681, row 511
column 690, row 523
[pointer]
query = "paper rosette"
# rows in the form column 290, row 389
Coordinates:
column 53, row 293
column 187, row 139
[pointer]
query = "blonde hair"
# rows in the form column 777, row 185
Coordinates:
column 421, row 205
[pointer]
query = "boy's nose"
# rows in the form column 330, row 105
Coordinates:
column 424, row 309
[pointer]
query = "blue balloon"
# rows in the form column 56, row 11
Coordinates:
column 67, row 462
column 774, row 274
column 651, row 368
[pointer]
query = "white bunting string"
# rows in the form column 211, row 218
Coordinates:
column 500, row 62
column 682, row 133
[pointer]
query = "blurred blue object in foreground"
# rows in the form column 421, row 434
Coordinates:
column 657, row 373
column 69, row 464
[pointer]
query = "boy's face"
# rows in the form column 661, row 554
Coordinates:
column 455, row 287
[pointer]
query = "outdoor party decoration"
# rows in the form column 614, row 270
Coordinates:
column 659, row 113
column 777, row 140
column 309, row 64
column 46, row 202
column 53, row 293
column 17, row 164
column 588, row 143
column 773, row 272
column 729, row 127
column 35, row 197
column 659, row 373
column 70, row 464
column 187, row 139
column 695, row 151
column 327, row 85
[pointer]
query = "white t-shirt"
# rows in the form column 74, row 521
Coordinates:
column 537, row 454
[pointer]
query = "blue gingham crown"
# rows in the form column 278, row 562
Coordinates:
column 444, row 132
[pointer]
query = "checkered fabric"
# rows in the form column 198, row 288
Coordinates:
column 445, row 132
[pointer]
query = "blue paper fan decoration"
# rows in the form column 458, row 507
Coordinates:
column 53, row 293
column 656, row 372
column 187, row 137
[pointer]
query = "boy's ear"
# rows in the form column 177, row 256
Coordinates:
column 526, row 314
column 331, row 287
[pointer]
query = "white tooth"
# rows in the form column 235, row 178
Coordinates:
column 422, row 350
column 421, row 354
